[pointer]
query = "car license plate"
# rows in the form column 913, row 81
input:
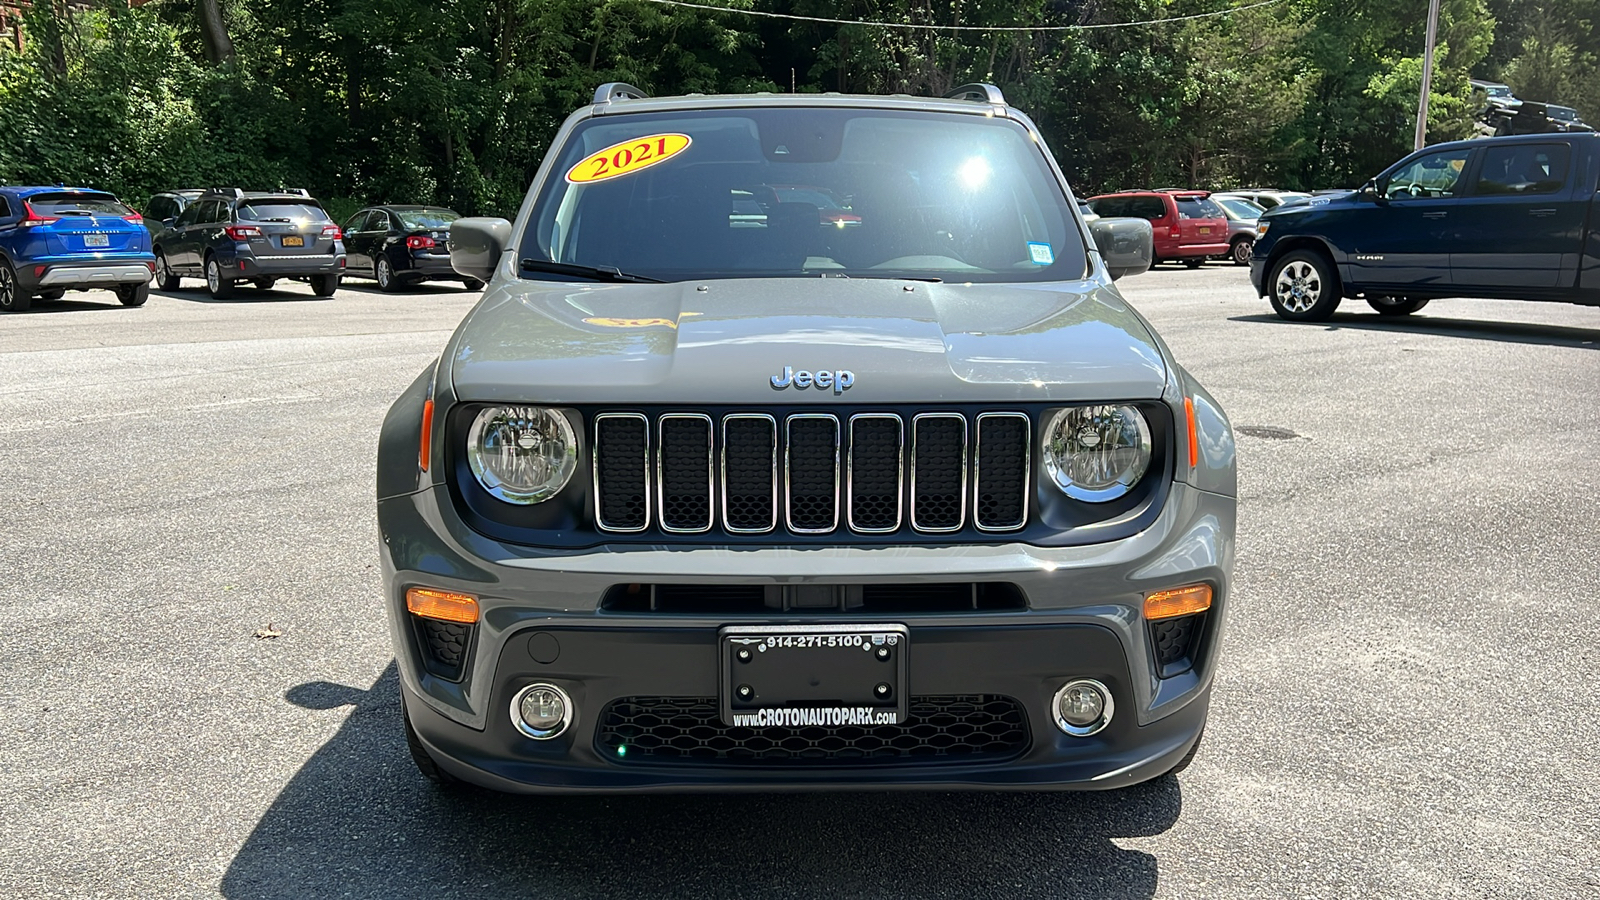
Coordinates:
column 294, row 240
column 96, row 240
column 1205, row 231
column 794, row 676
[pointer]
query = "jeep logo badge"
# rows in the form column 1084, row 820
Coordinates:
column 840, row 381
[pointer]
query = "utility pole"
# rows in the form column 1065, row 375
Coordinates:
column 1427, row 75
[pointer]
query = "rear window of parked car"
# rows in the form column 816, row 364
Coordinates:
column 281, row 212
column 427, row 218
column 1198, row 208
column 1135, row 207
column 66, row 204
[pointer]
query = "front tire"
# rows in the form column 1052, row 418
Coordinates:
column 425, row 764
column 324, row 285
column 219, row 287
column 264, row 284
column 1303, row 287
column 472, row 284
column 53, row 295
column 12, row 297
column 1396, row 306
column 1194, row 262
column 133, row 294
column 165, row 279
column 1242, row 249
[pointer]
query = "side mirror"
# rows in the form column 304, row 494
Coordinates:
column 167, row 223
column 476, row 245
column 1128, row 246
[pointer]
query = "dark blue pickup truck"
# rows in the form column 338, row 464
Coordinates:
column 1507, row 218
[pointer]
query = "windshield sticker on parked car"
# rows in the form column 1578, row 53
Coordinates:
column 1040, row 253
column 628, row 157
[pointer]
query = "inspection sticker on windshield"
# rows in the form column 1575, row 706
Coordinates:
column 1040, row 253
column 628, row 157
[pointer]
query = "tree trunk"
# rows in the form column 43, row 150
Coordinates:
column 214, row 33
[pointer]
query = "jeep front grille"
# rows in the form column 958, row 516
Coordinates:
column 811, row 473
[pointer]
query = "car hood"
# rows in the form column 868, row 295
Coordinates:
column 723, row 341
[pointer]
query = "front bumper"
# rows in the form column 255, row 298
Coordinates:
column 540, row 621
column 1258, row 266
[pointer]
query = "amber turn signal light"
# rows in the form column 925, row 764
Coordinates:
column 427, row 433
column 442, row 605
column 1184, row 601
column 1194, row 436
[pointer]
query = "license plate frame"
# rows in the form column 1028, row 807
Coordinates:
column 293, row 240
column 1205, row 229
column 803, row 675
column 97, row 241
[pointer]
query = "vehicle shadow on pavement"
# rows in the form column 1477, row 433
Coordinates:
column 61, row 306
column 358, row 820
column 425, row 289
column 245, row 294
column 1477, row 329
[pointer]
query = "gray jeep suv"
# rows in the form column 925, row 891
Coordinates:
column 706, row 494
column 227, row 236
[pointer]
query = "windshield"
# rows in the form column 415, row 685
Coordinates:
column 1239, row 208
column 1564, row 113
column 427, row 218
column 67, row 204
column 806, row 192
column 269, row 211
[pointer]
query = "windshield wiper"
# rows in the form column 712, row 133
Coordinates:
column 598, row 273
column 928, row 278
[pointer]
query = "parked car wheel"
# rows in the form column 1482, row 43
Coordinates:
column 324, row 285
column 384, row 272
column 264, row 284
column 56, row 294
column 1242, row 248
column 1195, row 262
column 1303, row 287
column 472, row 284
column 219, row 287
column 1396, row 306
column 425, row 764
column 133, row 294
column 166, row 280
column 12, row 298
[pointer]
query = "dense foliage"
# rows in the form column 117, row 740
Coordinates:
column 454, row 101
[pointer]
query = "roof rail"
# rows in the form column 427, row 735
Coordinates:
column 617, row 90
column 982, row 93
column 233, row 192
column 298, row 192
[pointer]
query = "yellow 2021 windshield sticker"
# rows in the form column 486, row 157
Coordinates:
column 628, row 157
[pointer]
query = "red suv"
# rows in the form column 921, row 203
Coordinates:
column 1189, row 226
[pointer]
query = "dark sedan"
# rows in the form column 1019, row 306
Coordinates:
column 402, row 246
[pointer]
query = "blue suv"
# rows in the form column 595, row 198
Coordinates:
column 56, row 239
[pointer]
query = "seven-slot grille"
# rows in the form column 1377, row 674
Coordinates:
column 811, row 473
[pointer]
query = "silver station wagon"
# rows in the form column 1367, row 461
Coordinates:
column 724, row 485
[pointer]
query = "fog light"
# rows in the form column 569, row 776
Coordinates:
column 1083, row 707
column 541, row 711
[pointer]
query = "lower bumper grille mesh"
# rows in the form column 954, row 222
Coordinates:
column 689, row 730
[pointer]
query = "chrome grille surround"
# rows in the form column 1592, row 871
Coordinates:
column 788, row 471
column 727, row 519
column 662, row 422
column 900, row 473
column 977, row 472
column 724, row 472
column 961, row 495
column 644, row 467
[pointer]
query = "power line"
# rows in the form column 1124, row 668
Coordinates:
column 988, row 28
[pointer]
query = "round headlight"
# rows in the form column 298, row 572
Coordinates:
column 522, row 454
column 1097, row 453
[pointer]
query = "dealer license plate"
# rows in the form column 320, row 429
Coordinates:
column 294, row 240
column 793, row 676
column 96, row 240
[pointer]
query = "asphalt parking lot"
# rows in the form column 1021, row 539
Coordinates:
column 1407, row 704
